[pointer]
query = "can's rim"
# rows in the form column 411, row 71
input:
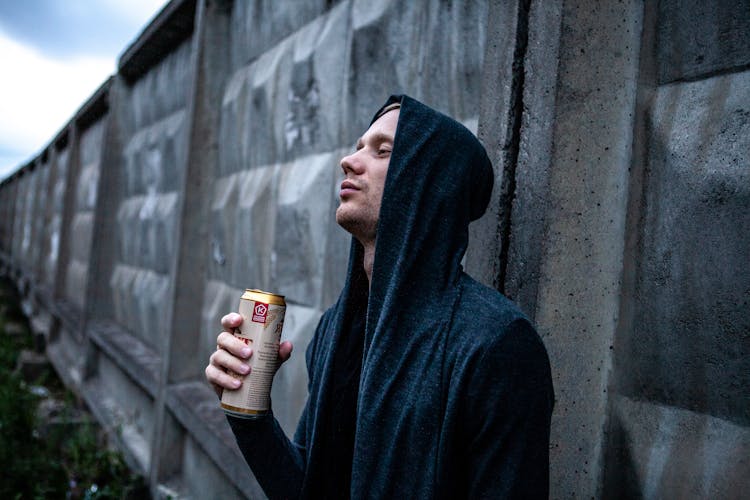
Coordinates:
column 243, row 411
column 266, row 297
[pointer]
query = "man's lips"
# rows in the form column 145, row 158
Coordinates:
column 347, row 188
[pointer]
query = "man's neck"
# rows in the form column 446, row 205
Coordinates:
column 369, row 259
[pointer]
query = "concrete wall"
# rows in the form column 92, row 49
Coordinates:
column 208, row 164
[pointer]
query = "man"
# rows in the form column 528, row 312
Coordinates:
column 422, row 382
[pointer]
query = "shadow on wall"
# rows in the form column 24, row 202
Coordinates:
column 681, row 410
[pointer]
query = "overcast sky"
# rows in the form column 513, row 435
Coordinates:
column 54, row 54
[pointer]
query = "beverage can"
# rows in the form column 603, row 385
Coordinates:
column 262, row 322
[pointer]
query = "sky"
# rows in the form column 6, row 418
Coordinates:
column 54, row 54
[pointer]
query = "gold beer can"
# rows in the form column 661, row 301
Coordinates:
column 262, row 321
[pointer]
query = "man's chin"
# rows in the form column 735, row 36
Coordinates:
column 345, row 219
column 353, row 223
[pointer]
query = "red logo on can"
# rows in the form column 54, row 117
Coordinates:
column 259, row 312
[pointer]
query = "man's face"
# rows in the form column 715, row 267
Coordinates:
column 365, row 171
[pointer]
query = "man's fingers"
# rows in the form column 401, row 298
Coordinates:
column 232, row 344
column 220, row 379
column 231, row 321
column 223, row 360
column 285, row 350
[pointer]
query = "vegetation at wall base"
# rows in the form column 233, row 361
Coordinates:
column 60, row 453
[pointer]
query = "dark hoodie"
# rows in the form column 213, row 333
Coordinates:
column 427, row 385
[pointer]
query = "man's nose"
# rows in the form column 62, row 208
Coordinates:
column 351, row 164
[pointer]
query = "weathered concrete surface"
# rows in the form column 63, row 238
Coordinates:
column 690, row 320
column 582, row 248
column 86, row 189
column 26, row 217
column 619, row 133
column 255, row 27
column 40, row 217
column 664, row 451
column 204, row 478
column 147, row 215
column 51, row 239
column 697, row 38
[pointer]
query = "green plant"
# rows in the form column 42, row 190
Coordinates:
column 64, row 458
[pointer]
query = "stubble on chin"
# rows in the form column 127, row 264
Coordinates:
column 359, row 226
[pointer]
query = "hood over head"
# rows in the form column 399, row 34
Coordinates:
column 439, row 179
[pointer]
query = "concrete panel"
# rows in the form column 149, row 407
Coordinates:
column 313, row 120
column 665, row 452
column 147, row 218
column 231, row 125
column 455, row 36
column 151, row 297
column 146, row 226
column 131, row 410
column 75, row 282
column 87, row 187
column 253, row 229
column 289, row 390
column 256, row 26
column 302, row 219
column 162, row 91
column 697, row 38
column 583, row 246
column 64, row 351
column 90, row 147
column 287, row 102
column 139, row 297
column 205, row 479
column 410, row 47
column 223, row 209
column 263, row 136
column 121, row 284
column 15, row 223
column 128, row 238
column 27, row 226
column 52, row 244
column 80, row 236
column 81, row 222
column 535, row 152
column 18, row 216
column 40, row 218
column 688, row 345
column 151, row 156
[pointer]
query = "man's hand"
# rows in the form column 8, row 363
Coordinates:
column 232, row 354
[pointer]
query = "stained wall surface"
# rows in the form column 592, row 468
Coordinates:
column 682, row 374
column 209, row 164
column 50, row 248
column 85, row 185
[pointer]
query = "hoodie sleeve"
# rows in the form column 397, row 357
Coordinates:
column 508, row 409
column 277, row 462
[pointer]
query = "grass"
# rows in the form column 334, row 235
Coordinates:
column 64, row 457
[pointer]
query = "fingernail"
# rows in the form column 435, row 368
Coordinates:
column 244, row 368
column 235, row 383
column 246, row 352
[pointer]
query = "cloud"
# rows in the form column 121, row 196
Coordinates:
column 40, row 94
column 54, row 55
column 75, row 27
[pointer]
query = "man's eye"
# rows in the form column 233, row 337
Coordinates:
column 382, row 152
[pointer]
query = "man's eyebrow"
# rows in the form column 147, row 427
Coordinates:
column 377, row 137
